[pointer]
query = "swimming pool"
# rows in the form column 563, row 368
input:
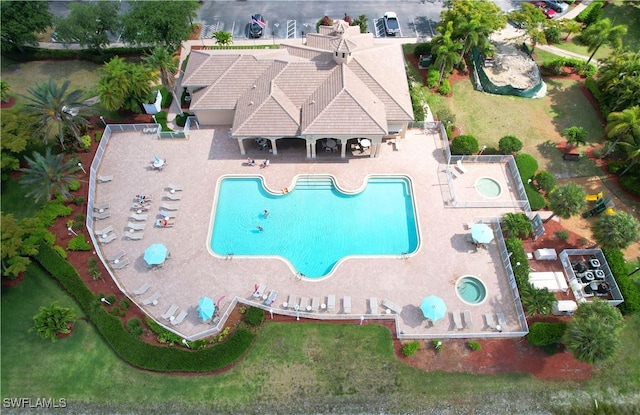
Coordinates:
column 314, row 225
column 488, row 187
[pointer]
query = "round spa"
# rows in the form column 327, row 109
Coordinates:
column 471, row 290
column 488, row 188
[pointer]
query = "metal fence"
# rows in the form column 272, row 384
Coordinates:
column 616, row 294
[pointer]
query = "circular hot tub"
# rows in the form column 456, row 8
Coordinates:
column 488, row 188
column 471, row 290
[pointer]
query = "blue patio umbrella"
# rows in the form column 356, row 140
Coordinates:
column 206, row 308
column 155, row 254
column 433, row 307
column 481, row 233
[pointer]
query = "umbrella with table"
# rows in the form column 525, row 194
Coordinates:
column 433, row 308
column 206, row 308
column 155, row 255
column 481, row 233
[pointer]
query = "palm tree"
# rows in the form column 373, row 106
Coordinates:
column 57, row 109
column 53, row 320
column 537, row 301
column 49, row 174
column 624, row 125
column 616, row 231
column 601, row 33
column 446, row 51
column 223, row 38
column 163, row 60
column 516, row 224
column 576, row 136
column 570, row 26
column 633, row 153
column 473, row 36
column 566, row 201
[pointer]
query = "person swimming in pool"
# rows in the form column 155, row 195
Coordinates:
column 260, row 228
column 266, row 213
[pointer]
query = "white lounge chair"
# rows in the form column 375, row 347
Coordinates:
column 292, row 302
column 467, row 319
column 346, row 304
column 167, row 214
column 153, row 299
column 271, row 298
column 176, row 187
column 101, row 207
column 116, row 256
column 304, row 303
column 315, row 303
column 104, row 179
column 260, row 291
column 142, row 289
column 110, row 238
column 457, row 321
column 391, row 306
column 136, row 226
column 174, row 196
column 170, row 206
column 331, row 303
column 120, row 264
column 490, row 321
column 373, row 305
column 501, row 319
column 460, row 167
column 135, row 236
column 139, row 217
column 454, row 173
column 179, row 318
column 101, row 216
column 170, row 312
column 105, row 231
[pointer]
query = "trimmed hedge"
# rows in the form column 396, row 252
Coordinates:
column 527, row 166
column 629, row 291
column 125, row 344
column 521, row 272
column 37, row 54
column 544, row 334
column 464, row 144
column 591, row 13
column 592, row 86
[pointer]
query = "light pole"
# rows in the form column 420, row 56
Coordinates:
column 82, row 168
column 70, row 229
column 104, row 300
column 103, row 121
column 184, row 341
column 482, row 150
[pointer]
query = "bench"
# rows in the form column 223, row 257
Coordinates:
column 570, row 156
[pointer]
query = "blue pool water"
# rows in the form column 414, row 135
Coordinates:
column 314, row 225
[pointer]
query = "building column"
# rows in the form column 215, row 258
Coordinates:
column 274, row 149
column 241, row 145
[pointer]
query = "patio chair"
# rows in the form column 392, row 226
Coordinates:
column 135, row 236
column 139, row 217
column 456, row 319
column 454, row 173
column 110, row 238
column 331, row 303
column 104, row 179
column 117, row 256
column 153, row 300
column 120, row 264
column 101, row 207
column 105, row 231
column 170, row 312
column 176, row 187
column 170, row 206
column 490, row 321
column 136, row 226
column 315, row 303
column 271, row 298
column 259, row 291
column 102, row 216
column 391, row 306
column 179, row 318
column 501, row 319
column 292, row 302
column 170, row 215
column 467, row 319
column 460, row 167
column 373, row 305
column 346, row 304
column 174, row 196
column 304, row 304
column 142, row 289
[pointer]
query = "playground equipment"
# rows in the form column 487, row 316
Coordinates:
column 603, row 204
column 594, row 198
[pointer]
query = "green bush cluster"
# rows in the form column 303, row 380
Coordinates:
column 592, row 86
column 474, row 345
column 73, row 185
column 78, row 243
column 545, row 180
column 527, row 166
column 592, row 13
column 464, row 144
column 445, row 87
column 416, row 102
column 562, row 235
column 521, row 272
column 631, row 181
column 543, row 334
column 437, row 344
column 254, row 316
column 509, row 144
column 422, row 49
column 125, row 344
column 409, row 349
column 60, row 250
column 51, row 211
column 629, row 290
column 37, row 54
column 553, row 34
column 432, row 78
column 98, row 136
column 134, row 325
column 555, row 66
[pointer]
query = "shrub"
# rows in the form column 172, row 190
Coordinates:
column 115, row 311
column 474, row 345
column 60, row 250
column 450, row 129
column 562, row 235
column 614, row 167
column 134, row 324
column 86, row 142
column 409, row 349
column 78, row 201
column 583, row 241
column 592, row 13
column 553, row 34
column 51, row 211
column 521, row 272
column 437, row 344
column 509, row 144
column 422, row 49
column 464, row 144
column 98, row 136
column 587, row 70
column 94, row 273
column 73, row 185
column 78, row 243
column 545, row 180
column 111, row 298
column 254, row 316
column 445, row 87
column 446, row 116
column 592, row 86
column 125, row 304
column 432, row 78
column 631, row 183
column 527, row 166
column 628, row 289
column 543, row 334
column 92, row 262
column 167, row 98
column 536, row 200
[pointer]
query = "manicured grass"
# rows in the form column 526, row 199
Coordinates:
column 578, row 47
column 627, row 13
column 21, row 76
column 13, row 200
column 536, row 122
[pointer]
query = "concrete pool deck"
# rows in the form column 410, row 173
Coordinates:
column 192, row 272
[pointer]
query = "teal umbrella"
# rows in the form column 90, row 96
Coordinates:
column 433, row 308
column 481, row 233
column 155, row 254
column 206, row 308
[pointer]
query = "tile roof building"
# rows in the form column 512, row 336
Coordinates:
column 340, row 85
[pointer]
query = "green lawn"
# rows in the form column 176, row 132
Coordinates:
column 292, row 368
column 536, row 122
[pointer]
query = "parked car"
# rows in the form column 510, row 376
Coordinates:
column 256, row 28
column 549, row 12
column 557, row 6
column 391, row 25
